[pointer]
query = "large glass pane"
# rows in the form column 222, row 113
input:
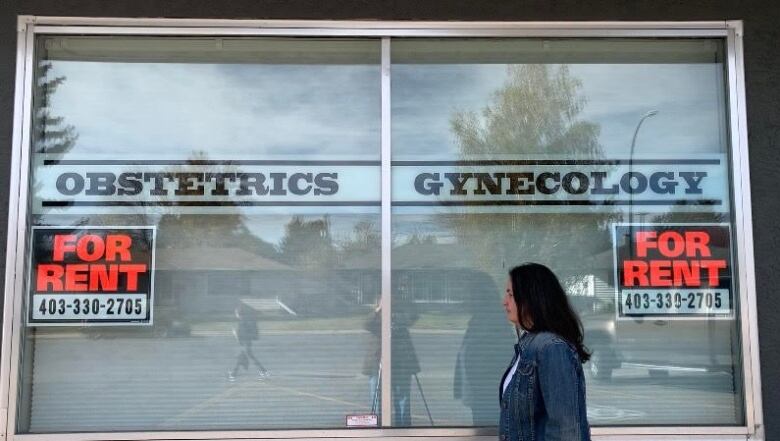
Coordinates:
column 514, row 150
column 256, row 162
column 243, row 155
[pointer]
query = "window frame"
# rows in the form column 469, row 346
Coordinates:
column 31, row 26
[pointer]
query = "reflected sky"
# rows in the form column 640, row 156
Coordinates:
column 231, row 109
column 333, row 111
column 688, row 98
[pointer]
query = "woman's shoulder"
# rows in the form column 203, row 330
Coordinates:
column 544, row 338
column 545, row 342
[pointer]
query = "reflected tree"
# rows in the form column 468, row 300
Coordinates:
column 421, row 239
column 308, row 243
column 319, row 286
column 50, row 132
column 228, row 229
column 537, row 112
column 365, row 238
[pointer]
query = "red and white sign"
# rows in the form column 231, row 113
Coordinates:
column 91, row 275
column 678, row 270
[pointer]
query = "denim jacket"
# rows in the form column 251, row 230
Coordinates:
column 545, row 400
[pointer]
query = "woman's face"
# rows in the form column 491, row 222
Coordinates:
column 509, row 304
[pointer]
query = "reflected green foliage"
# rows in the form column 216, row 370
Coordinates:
column 308, row 244
column 535, row 113
column 50, row 133
column 365, row 238
column 228, row 230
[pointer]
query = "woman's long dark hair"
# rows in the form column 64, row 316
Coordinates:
column 539, row 296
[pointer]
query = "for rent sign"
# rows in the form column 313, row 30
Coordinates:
column 91, row 275
column 680, row 270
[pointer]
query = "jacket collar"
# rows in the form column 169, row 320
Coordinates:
column 524, row 337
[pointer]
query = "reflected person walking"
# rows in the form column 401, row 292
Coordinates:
column 246, row 332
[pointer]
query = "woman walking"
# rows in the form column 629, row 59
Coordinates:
column 542, row 393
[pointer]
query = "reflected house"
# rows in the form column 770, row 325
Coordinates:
column 433, row 274
column 425, row 273
column 189, row 279
column 361, row 270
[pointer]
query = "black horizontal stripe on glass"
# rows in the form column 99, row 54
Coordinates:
column 558, row 162
column 547, row 203
column 211, row 203
column 204, row 162
column 707, row 202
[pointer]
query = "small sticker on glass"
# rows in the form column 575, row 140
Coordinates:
column 367, row 420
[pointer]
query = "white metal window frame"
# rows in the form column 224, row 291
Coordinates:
column 30, row 26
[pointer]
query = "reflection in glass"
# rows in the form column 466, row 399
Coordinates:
column 479, row 108
column 260, row 311
column 268, row 316
column 165, row 97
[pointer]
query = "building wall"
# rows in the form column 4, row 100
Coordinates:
column 762, row 65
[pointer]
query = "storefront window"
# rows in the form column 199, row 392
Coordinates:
column 264, row 279
column 204, row 246
column 519, row 147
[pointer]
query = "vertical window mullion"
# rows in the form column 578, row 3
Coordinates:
column 20, row 189
column 385, row 363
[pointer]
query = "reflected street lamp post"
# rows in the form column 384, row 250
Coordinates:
column 631, row 175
